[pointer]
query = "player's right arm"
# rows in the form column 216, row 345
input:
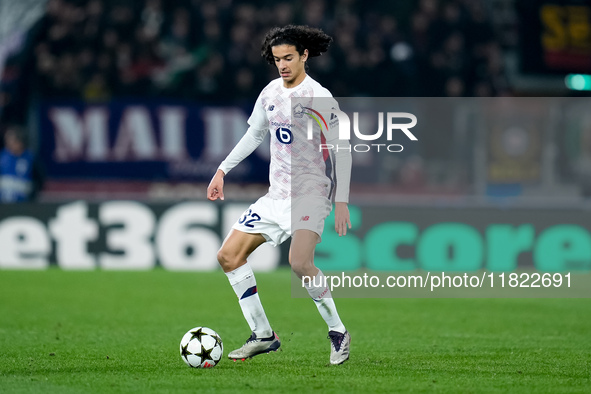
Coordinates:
column 248, row 143
column 215, row 189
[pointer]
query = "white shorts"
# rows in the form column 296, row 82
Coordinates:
column 276, row 220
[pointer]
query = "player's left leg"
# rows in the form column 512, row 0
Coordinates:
column 301, row 258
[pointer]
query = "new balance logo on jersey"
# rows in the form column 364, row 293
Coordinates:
column 271, row 107
column 304, row 218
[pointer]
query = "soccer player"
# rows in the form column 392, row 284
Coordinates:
column 307, row 199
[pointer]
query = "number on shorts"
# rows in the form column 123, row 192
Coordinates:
column 245, row 216
column 253, row 218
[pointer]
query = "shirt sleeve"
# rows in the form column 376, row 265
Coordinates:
column 342, row 151
column 251, row 140
column 343, row 165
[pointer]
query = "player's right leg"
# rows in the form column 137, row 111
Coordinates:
column 232, row 257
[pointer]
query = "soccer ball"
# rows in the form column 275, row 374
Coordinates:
column 201, row 347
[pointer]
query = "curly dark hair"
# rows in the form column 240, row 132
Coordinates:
column 302, row 37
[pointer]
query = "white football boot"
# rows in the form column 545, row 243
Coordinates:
column 255, row 346
column 339, row 347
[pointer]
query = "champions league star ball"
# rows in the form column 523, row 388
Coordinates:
column 201, row 347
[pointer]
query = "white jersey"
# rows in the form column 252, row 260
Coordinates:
column 298, row 167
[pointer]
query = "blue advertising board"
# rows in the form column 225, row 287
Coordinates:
column 137, row 140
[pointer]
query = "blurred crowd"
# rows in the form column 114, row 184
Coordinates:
column 205, row 50
column 210, row 50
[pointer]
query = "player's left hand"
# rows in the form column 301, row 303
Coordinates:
column 341, row 218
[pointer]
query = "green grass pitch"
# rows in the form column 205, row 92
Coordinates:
column 119, row 332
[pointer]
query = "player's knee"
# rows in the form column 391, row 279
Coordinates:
column 224, row 258
column 298, row 264
column 299, row 259
column 228, row 260
column 221, row 257
column 301, row 266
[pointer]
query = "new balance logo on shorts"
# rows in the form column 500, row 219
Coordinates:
column 304, row 218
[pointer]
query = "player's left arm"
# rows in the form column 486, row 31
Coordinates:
column 342, row 219
column 343, row 164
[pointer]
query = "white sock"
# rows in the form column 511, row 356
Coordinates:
column 322, row 297
column 245, row 286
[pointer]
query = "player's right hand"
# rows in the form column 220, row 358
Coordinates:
column 215, row 189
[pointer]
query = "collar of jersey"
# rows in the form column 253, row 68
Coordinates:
column 295, row 87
